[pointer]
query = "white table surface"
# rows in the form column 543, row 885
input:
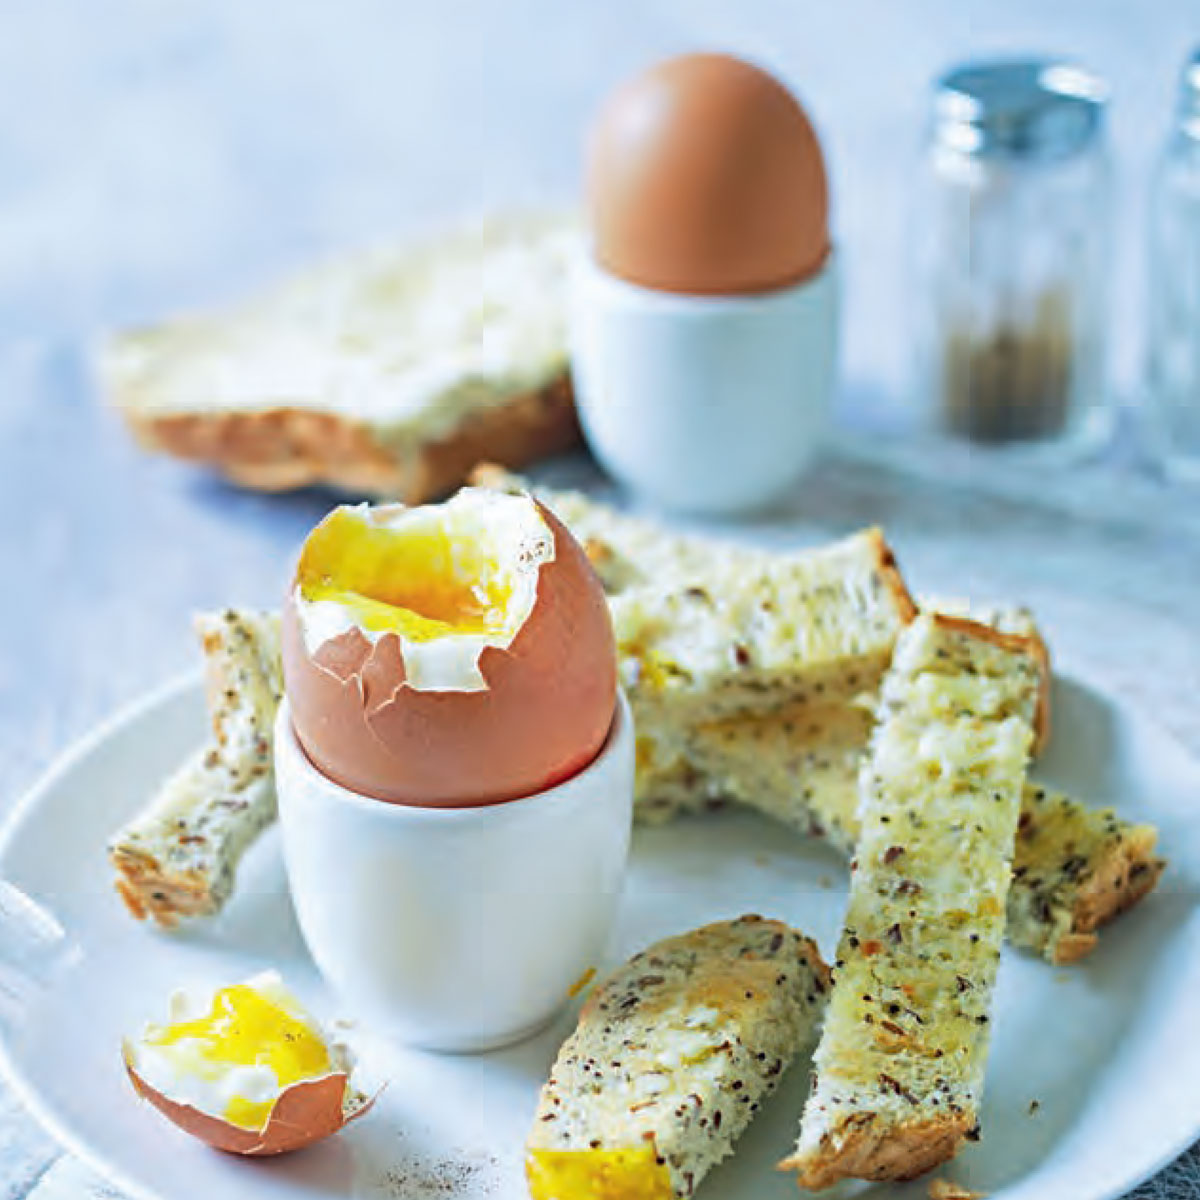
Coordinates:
column 154, row 156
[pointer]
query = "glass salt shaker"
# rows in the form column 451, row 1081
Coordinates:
column 1012, row 272
column 1173, row 335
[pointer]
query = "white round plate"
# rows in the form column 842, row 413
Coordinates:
column 1094, row 1079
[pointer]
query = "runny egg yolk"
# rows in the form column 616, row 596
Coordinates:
column 244, row 1028
column 419, row 581
column 634, row 1174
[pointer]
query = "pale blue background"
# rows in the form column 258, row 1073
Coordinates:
column 158, row 154
column 154, row 153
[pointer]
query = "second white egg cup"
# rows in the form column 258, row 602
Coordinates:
column 457, row 929
column 705, row 404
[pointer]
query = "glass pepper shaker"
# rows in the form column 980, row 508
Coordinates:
column 1012, row 244
column 1173, row 334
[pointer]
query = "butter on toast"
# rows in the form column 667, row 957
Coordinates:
column 813, row 626
column 673, row 1054
column 390, row 372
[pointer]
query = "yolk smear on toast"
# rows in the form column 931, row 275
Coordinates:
column 633, row 1174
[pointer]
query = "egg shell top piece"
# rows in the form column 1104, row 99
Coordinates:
column 542, row 709
column 704, row 176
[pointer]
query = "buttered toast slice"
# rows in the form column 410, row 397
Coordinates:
column 898, row 1072
column 179, row 856
column 673, row 1055
column 391, row 372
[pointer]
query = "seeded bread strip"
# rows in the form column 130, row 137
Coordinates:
column 798, row 764
column 179, row 856
column 672, row 1057
column 898, row 1073
column 1075, row 870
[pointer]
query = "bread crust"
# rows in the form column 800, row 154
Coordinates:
column 1043, row 724
column 868, row 1148
column 284, row 448
column 150, row 890
column 889, row 571
column 1017, row 642
column 1037, row 647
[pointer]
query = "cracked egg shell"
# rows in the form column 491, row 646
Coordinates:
column 247, row 1070
column 451, row 655
column 305, row 1113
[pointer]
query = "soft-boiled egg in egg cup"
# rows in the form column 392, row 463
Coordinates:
column 704, row 310
column 454, row 765
column 247, row 1070
column 453, row 654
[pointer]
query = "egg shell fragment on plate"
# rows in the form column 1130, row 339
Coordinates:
column 246, row 1069
column 305, row 1112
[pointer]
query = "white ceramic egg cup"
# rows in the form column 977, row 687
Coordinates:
column 705, row 404
column 457, row 929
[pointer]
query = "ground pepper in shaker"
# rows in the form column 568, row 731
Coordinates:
column 1012, row 257
column 1173, row 344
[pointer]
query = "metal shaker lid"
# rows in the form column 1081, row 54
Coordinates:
column 1042, row 109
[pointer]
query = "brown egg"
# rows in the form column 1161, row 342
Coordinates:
column 452, row 655
column 704, row 176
